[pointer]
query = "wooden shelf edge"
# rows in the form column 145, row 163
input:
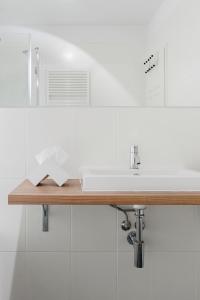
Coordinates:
column 71, row 194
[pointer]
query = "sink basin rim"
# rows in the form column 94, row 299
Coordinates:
column 94, row 179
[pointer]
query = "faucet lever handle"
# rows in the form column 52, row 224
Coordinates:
column 134, row 157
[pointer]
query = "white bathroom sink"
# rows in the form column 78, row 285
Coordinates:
column 144, row 180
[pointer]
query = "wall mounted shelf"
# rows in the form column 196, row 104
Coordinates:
column 71, row 194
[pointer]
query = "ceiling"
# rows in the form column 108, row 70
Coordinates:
column 77, row 12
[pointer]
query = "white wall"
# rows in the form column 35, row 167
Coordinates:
column 85, row 255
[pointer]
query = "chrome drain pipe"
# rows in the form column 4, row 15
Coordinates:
column 135, row 238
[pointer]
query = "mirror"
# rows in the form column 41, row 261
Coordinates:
column 149, row 65
column 15, row 70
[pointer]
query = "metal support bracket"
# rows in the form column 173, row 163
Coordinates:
column 45, row 217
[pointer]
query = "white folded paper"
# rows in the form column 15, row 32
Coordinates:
column 50, row 163
column 55, row 152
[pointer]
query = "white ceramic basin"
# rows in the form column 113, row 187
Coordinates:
column 145, row 180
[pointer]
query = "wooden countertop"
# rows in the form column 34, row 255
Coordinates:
column 70, row 193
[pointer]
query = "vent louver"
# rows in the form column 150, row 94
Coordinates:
column 67, row 87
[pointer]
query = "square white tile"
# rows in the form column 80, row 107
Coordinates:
column 50, row 127
column 58, row 236
column 94, row 138
column 12, row 143
column 134, row 283
column 93, row 228
column 13, row 276
column 196, row 257
column 159, row 145
column 12, row 224
column 171, row 228
column 173, row 275
column 93, row 276
column 195, row 233
column 48, row 276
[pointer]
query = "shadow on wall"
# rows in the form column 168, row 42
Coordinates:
column 34, row 265
column 12, row 246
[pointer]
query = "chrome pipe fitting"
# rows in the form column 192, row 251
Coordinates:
column 135, row 238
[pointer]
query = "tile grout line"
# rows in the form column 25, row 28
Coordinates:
column 70, row 255
column 26, row 228
column 26, row 112
column 98, row 251
column 195, row 265
column 116, row 137
column 117, row 256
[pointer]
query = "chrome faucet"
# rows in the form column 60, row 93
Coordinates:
column 134, row 157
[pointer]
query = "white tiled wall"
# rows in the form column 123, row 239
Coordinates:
column 85, row 255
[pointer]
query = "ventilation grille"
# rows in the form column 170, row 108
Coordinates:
column 66, row 87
